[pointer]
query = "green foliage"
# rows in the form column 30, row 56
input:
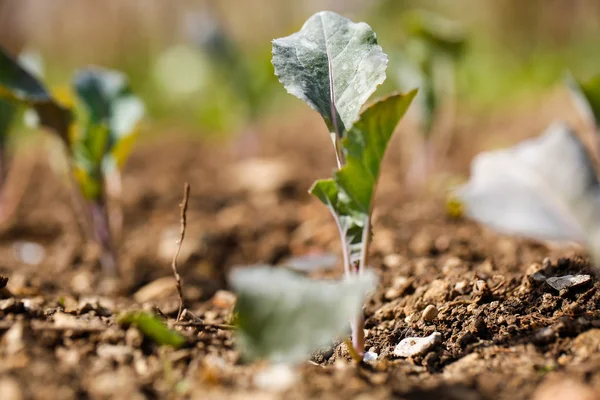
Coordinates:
column 153, row 328
column 283, row 317
column 108, row 115
column 21, row 88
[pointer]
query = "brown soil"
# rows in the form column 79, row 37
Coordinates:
column 505, row 335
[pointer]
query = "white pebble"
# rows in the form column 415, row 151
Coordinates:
column 415, row 346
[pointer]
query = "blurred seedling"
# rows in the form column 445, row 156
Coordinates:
column 97, row 126
column 434, row 47
column 544, row 188
column 335, row 65
column 246, row 77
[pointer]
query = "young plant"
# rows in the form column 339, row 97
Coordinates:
column 283, row 317
column 434, row 47
column 335, row 65
column 248, row 78
column 544, row 188
column 98, row 140
column 108, row 114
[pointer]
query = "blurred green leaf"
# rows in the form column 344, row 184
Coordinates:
column 153, row 328
column 108, row 117
column 333, row 64
column 438, row 33
column 284, row 317
column 20, row 87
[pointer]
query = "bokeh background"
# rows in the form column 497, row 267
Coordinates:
column 518, row 51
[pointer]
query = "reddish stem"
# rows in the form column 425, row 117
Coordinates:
column 101, row 227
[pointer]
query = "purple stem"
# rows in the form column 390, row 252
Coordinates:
column 101, row 227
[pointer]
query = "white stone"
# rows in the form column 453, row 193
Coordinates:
column 415, row 346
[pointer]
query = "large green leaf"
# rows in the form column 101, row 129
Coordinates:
column 587, row 97
column 108, row 118
column 349, row 195
column 20, row 87
column 283, row 316
column 332, row 64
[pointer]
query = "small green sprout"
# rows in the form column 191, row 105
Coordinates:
column 153, row 328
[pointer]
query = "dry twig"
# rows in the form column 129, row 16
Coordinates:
column 183, row 220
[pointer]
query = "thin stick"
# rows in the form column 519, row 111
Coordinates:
column 183, row 220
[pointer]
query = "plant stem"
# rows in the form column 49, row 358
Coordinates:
column 358, row 334
column 358, row 325
column 100, row 222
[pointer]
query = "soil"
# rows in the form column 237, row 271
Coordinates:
column 506, row 333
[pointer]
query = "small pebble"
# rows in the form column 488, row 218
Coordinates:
column 568, row 281
column 370, row 356
column 415, row 346
column 29, row 252
column 430, row 313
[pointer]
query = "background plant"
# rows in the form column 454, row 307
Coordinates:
column 97, row 140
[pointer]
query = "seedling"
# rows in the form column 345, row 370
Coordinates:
column 98, row 140
column 434, row 47
column 544, row 188
column 335, row 65
column 108, row 114
column 283, row 317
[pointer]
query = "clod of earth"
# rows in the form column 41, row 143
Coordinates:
column 568, row 281
column 415, row 346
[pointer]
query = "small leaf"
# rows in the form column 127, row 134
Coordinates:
column 154, row 329
column 365, row 147
column 332, row 64
column 586, row 95
column 544, row 188
column 20, row 87
column 284, row 317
